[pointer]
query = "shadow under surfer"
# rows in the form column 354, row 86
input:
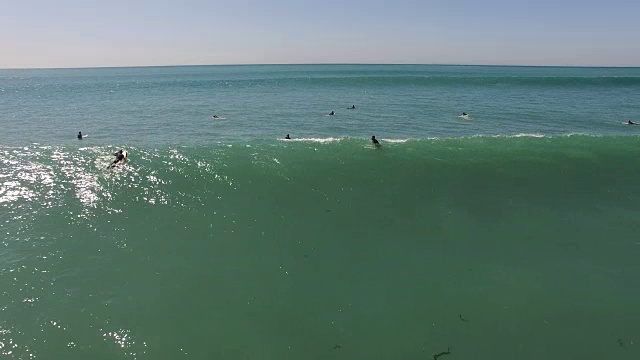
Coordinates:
column 79, row 135
column 375, row 141
column 119, row 158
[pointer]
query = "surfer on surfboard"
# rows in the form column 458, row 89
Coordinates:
column 120, row 156
column 79, row 135
column 629, row 122
column 375, row 141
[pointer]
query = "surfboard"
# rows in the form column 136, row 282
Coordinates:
column 126, row 157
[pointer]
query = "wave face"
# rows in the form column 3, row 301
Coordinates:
column 301, row 249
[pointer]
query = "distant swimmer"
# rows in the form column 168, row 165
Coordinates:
column 629, row 122
column 332, row 113
column 374, row 140
column 464, row 114
column 352, row 107
column 216, row 117
column 79, row 135
column 119, row 157
column 287, row 137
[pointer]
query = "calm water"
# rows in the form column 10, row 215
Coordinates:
column 511, row 234
column 175, row 105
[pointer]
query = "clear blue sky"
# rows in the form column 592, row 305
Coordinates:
column 80, row 33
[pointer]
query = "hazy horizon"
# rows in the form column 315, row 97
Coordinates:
column 308, row 64
column 75, row 34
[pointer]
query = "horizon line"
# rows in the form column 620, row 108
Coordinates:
column 311, row 64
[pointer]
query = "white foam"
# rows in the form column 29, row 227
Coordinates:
column 581, row 134
column 395, row 140
column 528, row 135
column 532, row 135
column 318, row 140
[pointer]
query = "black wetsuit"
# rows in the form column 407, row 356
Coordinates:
column 119, row 157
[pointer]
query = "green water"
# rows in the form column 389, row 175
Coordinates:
column 311, row 250
column 169, row 106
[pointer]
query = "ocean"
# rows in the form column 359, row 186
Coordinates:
column 510, row 233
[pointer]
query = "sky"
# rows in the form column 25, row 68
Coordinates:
column 86, row 33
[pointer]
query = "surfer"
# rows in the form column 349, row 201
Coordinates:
column 375, row 141
column 332, row 113
column 288, row 137
column 629, row 122
column 119, row 157
column 464, row 114
column 79, row 135
column 352, row 107
column 216, row 116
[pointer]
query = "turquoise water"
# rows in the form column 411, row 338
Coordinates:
column 510, row 235
column 174, row 105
